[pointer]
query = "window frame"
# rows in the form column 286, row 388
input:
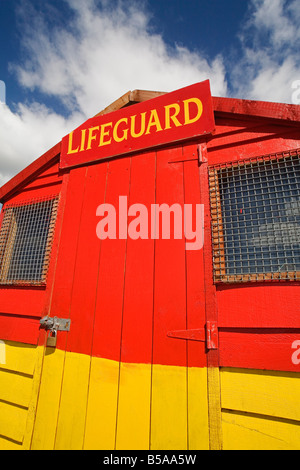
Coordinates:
column 220, row 273
column 8, row 233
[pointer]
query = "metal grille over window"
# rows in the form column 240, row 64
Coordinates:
column 255, row 209
column 25, row 241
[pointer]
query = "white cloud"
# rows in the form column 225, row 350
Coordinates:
column 27, row 134
column 106, row 52
column 100, row 52
column 86, row 64
column 270, row 44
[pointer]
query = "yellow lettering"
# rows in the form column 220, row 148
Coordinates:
column 154, row 121
column 105, row 133
column 173, row 117
column 70, row 149
column 125, row 131
column 143, row 126
column 83, row 133
column 91, row 136
column 188, row 119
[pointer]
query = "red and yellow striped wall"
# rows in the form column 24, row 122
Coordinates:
column 116, row 380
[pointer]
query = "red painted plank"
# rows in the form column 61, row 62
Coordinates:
column 22, row 301
column 170, row 269
column 19, row 329
column 273, row 305
column 239, row 139
column 195, row 289
column 260, row 349
column 65, row 269
column 211, row 306
column 266, row 109
column 109, row 300
column 55, row 245
column 82, row 305
column 138, row 295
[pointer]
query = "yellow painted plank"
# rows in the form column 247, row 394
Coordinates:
column 34, row 399
column 49, row 400
column 12, row 421
column 214, row 409
column 15, row 388
column 7, row 444
column 198, row 436
column 18, row 393
column 2, row 353
column 246, row 432
column 73, row 402
column 133, row 423
column 100, row 433
column 19, row 357
column 169, row 408
column 261, row 392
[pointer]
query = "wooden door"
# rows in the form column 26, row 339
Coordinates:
column 118, row 373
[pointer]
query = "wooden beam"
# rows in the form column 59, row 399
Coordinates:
column 130, row 98
column 138, row 96
column 263, row 109
column 118, row 104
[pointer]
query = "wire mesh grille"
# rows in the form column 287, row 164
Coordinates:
column 255, row 210
column 25, row 241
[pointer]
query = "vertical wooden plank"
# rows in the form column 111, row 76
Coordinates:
column 82, row 308
column 64, row 275
column 195, row 293
column 71, row 420
column 213, row 375
column 136, row 348
column 49, row 400
column 19, row 382
column 102, row 405
column 133, row 424
column 44, row 436
column 102, row 414
column 169, row 382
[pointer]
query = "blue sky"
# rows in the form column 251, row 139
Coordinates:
column 62, row 61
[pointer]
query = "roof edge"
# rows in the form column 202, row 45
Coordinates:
column 47, row 159
column 263, row 109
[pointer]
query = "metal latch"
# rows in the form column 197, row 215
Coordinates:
column 207, row 335
column 53, row 325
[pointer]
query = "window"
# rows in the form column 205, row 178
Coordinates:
column 25, row 241
column 255, row 209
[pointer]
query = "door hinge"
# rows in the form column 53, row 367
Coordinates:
column 208, row 335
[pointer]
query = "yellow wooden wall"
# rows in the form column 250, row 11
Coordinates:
column 260, row 410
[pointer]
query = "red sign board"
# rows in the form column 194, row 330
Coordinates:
column 173, row 117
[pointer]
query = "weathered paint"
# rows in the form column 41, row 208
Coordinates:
column 116, row 380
